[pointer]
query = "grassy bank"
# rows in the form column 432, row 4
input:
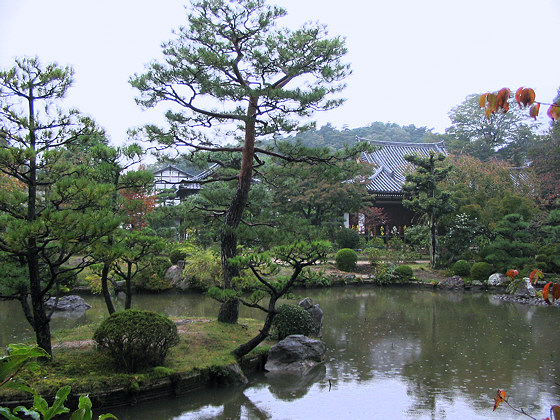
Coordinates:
column 205, row 345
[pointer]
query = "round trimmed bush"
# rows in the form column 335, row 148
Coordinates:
column 348, row 238
column 136, row 339
column 404, row 272
column 292, row 319
column 462, row 268
column 481, row 271
column 346, row 259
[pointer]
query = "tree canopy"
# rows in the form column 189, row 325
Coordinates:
column 231, row 65
column 52, row 211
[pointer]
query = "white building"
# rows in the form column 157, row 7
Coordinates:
column 178, row 184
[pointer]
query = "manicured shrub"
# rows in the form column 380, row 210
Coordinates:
column 348, row 238
column 177, row 255
column 152, row 277
column 292, row 319
column 404, row 272
column 346, row 259
column 481, row 271
column 462, row 268
column 136, row 339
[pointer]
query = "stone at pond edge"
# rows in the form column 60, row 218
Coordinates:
column 497, row 279
column 235, row 376
column 296, row 354
column 455, row 282
column 525, row 288
column 175, row 276
column 316, row 313
column 68, row 303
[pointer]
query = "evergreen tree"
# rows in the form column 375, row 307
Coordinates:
column 425, row 196
column 54, row 212
column 231, row 65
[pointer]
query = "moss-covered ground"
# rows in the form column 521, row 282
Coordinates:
column 204, row 345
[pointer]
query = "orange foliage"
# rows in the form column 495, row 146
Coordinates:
column 535, row 276
column 136, row 205
column 512, row 273
column 547, row 291
column 499, row 398
column 493, row 102
column 525, row 96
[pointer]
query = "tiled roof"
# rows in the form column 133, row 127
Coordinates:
column 191, row 184
column 390, row 165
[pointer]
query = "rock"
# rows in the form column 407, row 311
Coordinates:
column 234, row 376
column 525, row 289
column 455, row 282
column 317, row 316
column 316, row 313
column 306, row 303
column 174, row 274
column 119, row 286
column 497, row 279
column 296, row 354
column 476, row 283
column 68, row 303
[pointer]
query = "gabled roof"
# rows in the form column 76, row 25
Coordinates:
column 171, row 167
column 390, row 165
column 192, row 184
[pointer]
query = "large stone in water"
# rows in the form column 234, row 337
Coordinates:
column 296, row 354
column 68, row 303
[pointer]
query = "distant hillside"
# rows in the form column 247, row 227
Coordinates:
column 328, row 136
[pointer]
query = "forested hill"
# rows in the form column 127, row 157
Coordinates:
column 329, row 136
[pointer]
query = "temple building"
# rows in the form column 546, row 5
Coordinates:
column 386, row 182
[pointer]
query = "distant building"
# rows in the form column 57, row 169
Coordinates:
column 387, row 180
column 174, row 184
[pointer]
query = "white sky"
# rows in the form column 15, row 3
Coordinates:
column 412, row 60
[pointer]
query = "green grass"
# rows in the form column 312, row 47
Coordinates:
column 204, row 345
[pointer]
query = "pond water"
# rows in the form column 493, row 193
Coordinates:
column 397, row 353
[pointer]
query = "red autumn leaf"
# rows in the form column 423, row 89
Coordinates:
column 556, row 411
column 554, row 112
column 555, row 291
column 502, row 98
column 512, row 273
column 500, row 397
column 535, row 276
column 518, row 95
column 545, row 292
column 534, row 110
column 525, row 96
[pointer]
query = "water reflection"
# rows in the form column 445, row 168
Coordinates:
column 392, row 353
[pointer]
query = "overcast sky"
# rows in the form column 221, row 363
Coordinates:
column 412, row 60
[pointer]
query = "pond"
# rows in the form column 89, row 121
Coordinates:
column 399, row 353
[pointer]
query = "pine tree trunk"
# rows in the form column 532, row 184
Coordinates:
column 229, row 310
column 41, row 322
column 245, row 348
column 105, row 288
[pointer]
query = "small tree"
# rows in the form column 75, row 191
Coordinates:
column 264, row 280
column 54, row 211
column 424, row 195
